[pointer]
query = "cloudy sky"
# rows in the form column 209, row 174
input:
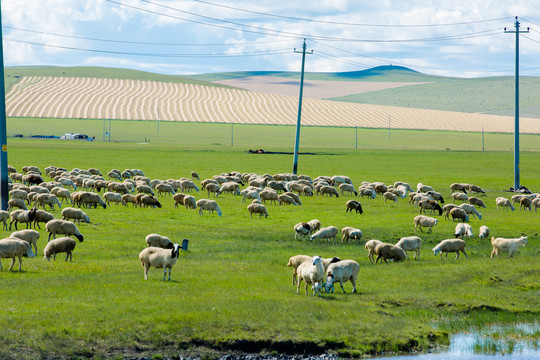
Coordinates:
column 459, row 38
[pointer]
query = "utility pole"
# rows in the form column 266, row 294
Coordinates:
column 4, row 194
column 297, row 140
column 516, row 103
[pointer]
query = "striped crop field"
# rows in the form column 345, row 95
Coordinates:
column 121, row 99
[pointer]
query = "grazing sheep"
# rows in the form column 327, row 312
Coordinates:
column 286, row 199
column 351, row 233
column 296, row 260
column 315, row 225
column 507, row 245
column 370, row 247
column 58, row 226
column 327, row 233
column 212, row 188
column 436, row 196
column 159, row 258
column 194, row 175
column 525, row 203
column 129, row 198
column 447, row 208
column 463, row 230
column 348, row 188
column 160, row 241
column 474, row 189
column 189, row 202
column 295, row 197
column 536, row 203
column 450, row 245
column 473, row 200
column 503, row 202
column 229, row 187
column 16, row 203
column 42, row 216
column 22, row 216
column 13, row 247
column 250, row 195
column 164, row 188
column 470, row 209
column 421, row 188
column 188, row 185
column 460, row 214
column 255, row 208
column 91, row 199
column 424, row 221
column 459, row 197
column 272, row 196
column 112, row 197
column 19, row 194
column 411, row 243
column 210, row 205
column 367, row 191
column 354, row 205
column 484, row 232
column 458, row 187
column 150, row 201
column 47, row 199
column 312, row 273
column 389, row 251
column 431, row 205
column 29, row 235
column 60, row 245
column 75, row 214
column 390, row 196
column 380, row 188
column 144, row 189
column 341, row 272
column 62, row 194
column 302, row 230
column 4, row 216
column 329, row 191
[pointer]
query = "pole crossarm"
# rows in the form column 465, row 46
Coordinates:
column 297, row 138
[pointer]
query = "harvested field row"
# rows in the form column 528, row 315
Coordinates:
column 147, row 100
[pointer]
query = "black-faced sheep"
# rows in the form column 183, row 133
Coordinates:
column 22, row 216
column 58, row 226
column 431, row 205
column 354, row 205
column 159, row 258
column 462, row 230
column 350, row 233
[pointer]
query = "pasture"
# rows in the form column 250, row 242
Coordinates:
column 233, row 291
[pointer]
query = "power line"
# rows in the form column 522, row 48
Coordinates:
column 346, row 23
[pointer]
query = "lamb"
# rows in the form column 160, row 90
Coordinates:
column 255, row 208
column 22, row 216
column 60, row 245
column 112, row 197
column 390, row 196
column 42, row 216
column 473, row 200
column 210, row 205
column 341, row 272
column 329, row 191
column 503, row 202
column 348, row 188
column 286, row 199
column 484, row 232
column 4, row 216
column 459, row 197
column 296, row 260
column 470, row 209
column 250, row 195
column 411, row 243
column 351, row 233
column 450, row 245
column 327, row 233
column 159, row 258
column 150, row 201
column 75, row 214
column 370, row 247
column 13, row 247
column 159, row 241
column 272, row 196
column 16, row 203
column 507, row 245
column 429, row 205
column 58, row 226
column 302, row 230
column 389, row 251
column 463, row 230
column 424, row 221
column 460, row 214
column 28, row 235
column 354, row 205
column 312, row 273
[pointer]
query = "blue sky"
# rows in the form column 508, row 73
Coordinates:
column 457, row 38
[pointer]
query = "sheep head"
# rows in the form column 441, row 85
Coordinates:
column 436, row 251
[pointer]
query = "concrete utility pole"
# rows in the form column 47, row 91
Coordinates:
column 516, row 104
column 297, row 140
column 4, row 191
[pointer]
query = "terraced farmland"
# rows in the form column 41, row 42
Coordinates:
column 97, row 98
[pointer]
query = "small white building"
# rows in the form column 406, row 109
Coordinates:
column 76, row 136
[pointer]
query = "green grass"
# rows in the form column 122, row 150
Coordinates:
column 233, row 290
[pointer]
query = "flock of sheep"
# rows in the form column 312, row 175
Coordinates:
column 81, row 188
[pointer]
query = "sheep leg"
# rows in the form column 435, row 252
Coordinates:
column 298, row 286
column 146, row 267
column 342, row 288
column 464, row 253
column 353, row 282
column 12, row 262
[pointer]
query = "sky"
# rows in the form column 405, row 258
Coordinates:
column 463, row 38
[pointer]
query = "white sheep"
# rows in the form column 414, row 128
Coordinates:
column 411, row 243
column 272, row 196
column 13, row 247
column 370, row 247
column 42, row 216
column 367, row 191
column 302, row 230
column 459, row 197
column 296, row 260
column 29, row 235
column 4, row 216
column 460, row 214
column 286, row 199
column 351, row 233
column 160, row 241
column 507, row 245
column 327, row 233
column 47, row 199
column 462, row 230
column 75, row 214
column 504, row 202
column 424, row 221
column 389, row 251
column 348, row 188
column 159, row 258
column 16, row 203
column 450, row 245
column 315, row 225
column 256, row 208
column 58, row 226
column 390, row 196
column 250, row 195
column 164, row 188
column 484, row 232
column 60, row 245
column 341, row 272
column 311, row 273
column 112, row 197
column 210, row 205
column 470, row 209
column 536, row 203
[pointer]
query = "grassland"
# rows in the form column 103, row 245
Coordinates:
column 232, row 291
